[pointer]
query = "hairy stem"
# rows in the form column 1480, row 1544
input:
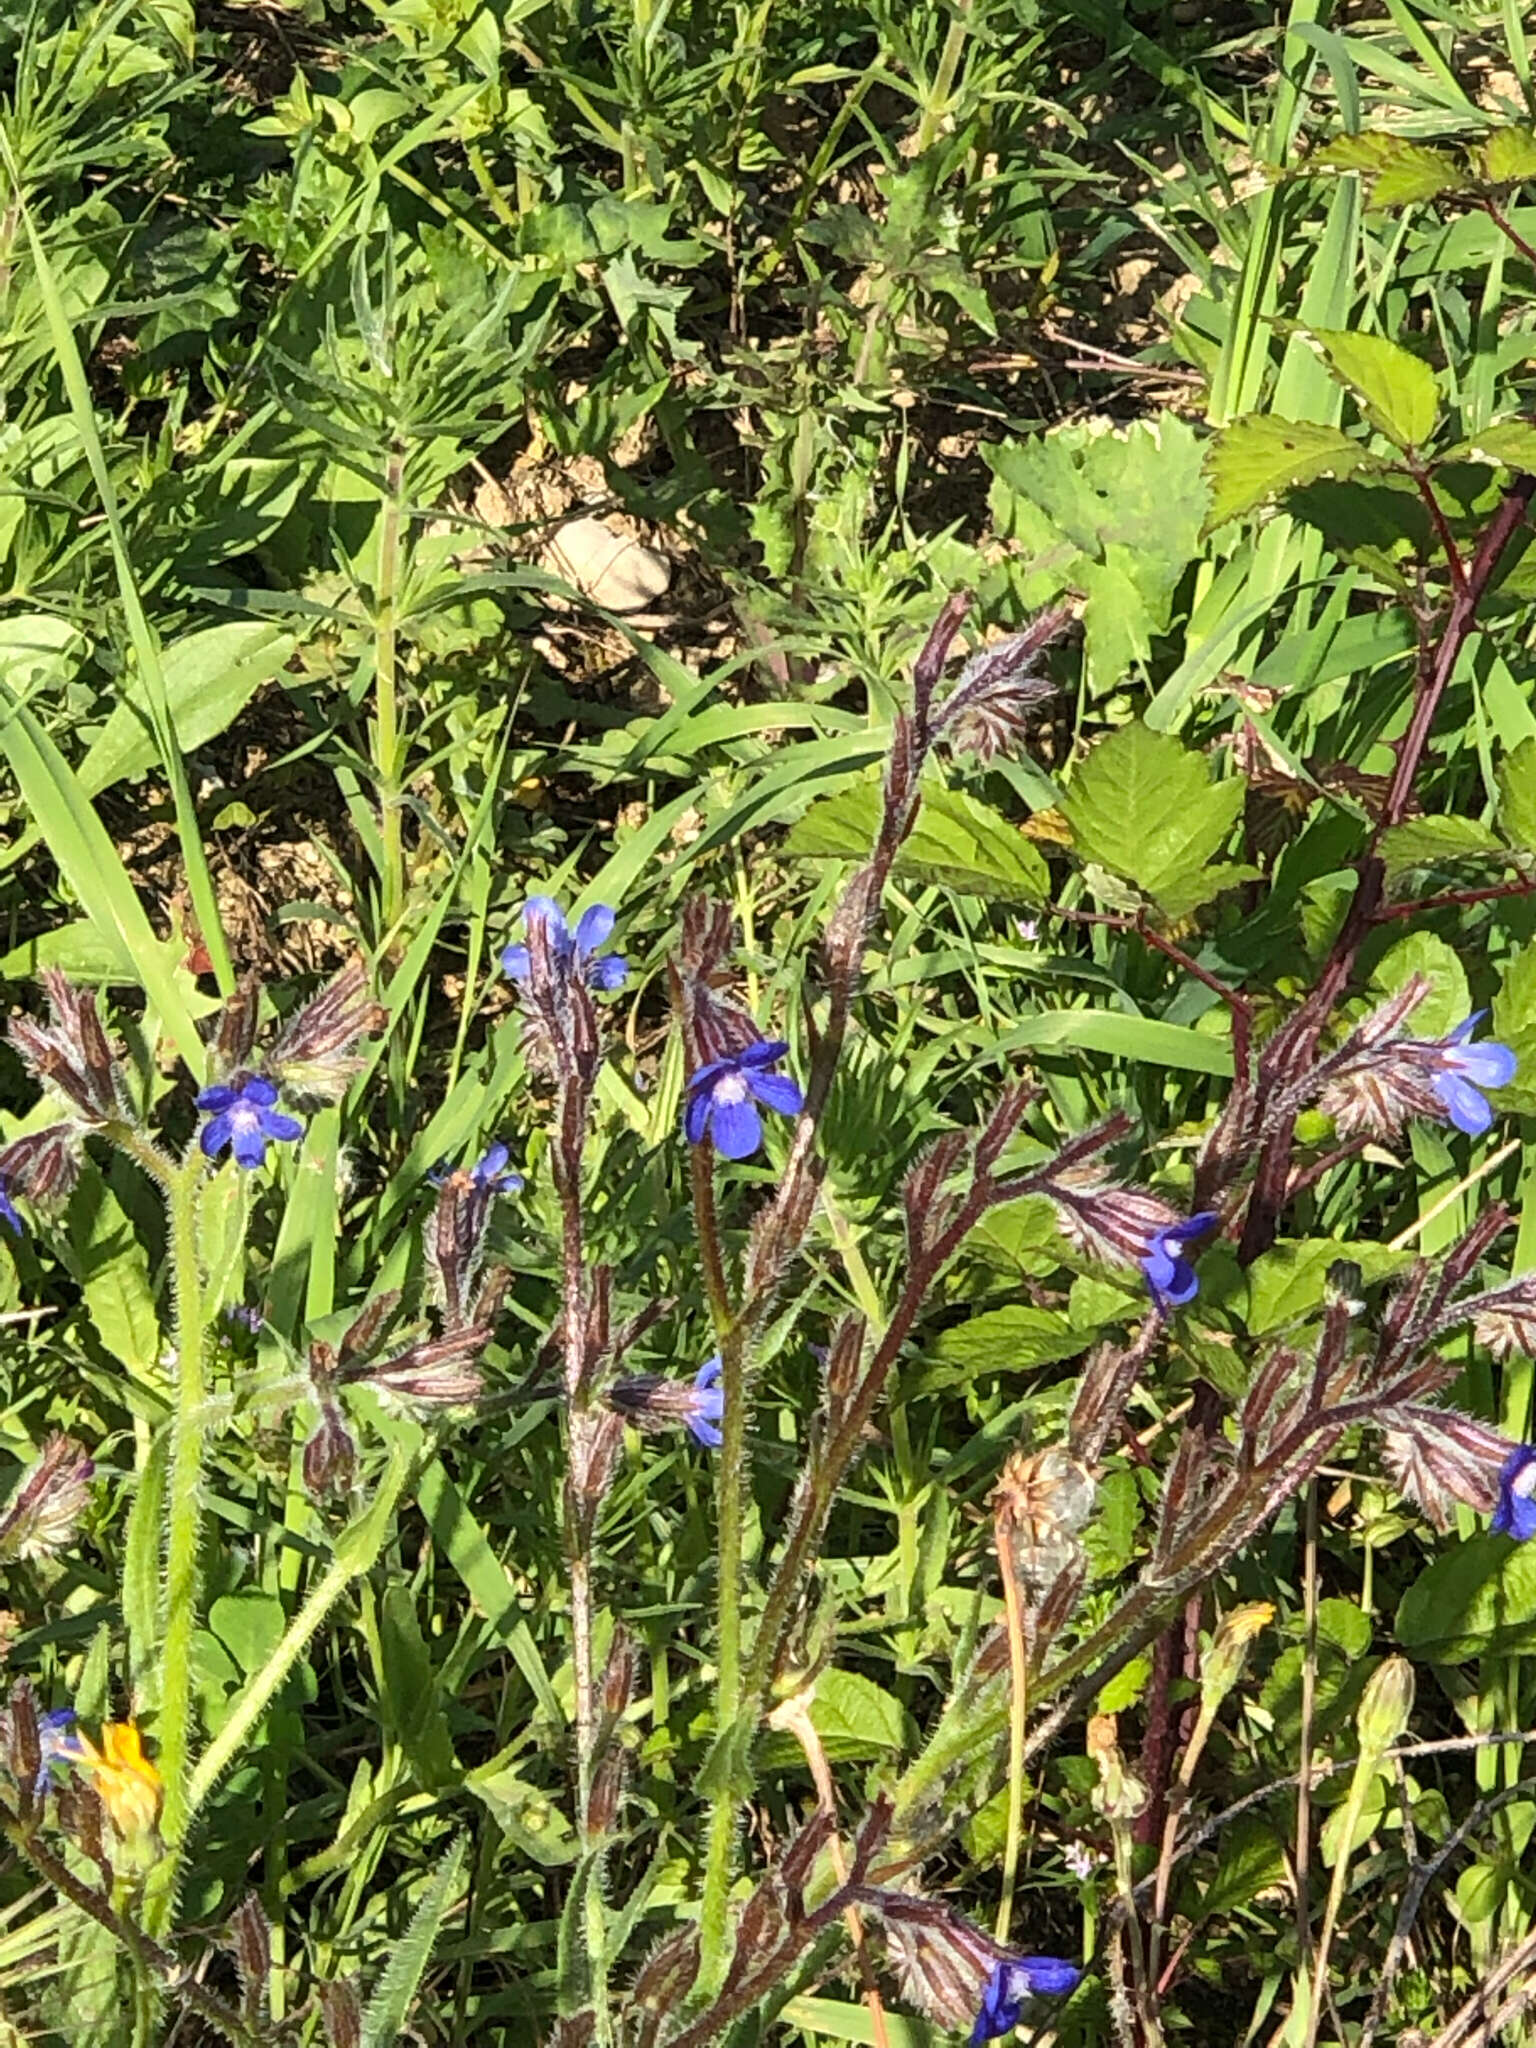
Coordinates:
column 388, row 763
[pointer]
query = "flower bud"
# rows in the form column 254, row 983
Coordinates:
column 250, row 1936
column 315, row 1054
column 72, row 1053
column 1222, row 1665
column 1385, row 1706
column 1120, row 1795
column 41, row 1515
column 667, row 1974
column 330, row 1456
column 342, row 2011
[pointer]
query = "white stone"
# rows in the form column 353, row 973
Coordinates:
column 608, row 565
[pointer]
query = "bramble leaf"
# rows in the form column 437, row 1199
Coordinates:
column 1400, row 171
column 1517, row 794
column 1430, row 842
column 1257, row 458
column 1144, row 806
column 1396, row 391
column 1511, row 443
column 1509, row 156
column 958, row 842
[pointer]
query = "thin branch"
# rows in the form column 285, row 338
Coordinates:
column 1524, row 885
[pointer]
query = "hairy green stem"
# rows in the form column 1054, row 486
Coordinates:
column 944, row 79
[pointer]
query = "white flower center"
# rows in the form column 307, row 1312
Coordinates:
column 731, row 1088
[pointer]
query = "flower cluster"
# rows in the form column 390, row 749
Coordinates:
column 652, row 1401
column 577, row 953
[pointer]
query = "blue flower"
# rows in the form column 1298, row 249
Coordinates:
column 706, row 1404
column 1465, row 1070
column 489, row 1174
column 1014, row 1981
column 1170, row 1276
column 8, row 1215
column 576, row 951
column 1515, row 1514
column 243, row 1118
column 721, row 1098
column 57, row 1744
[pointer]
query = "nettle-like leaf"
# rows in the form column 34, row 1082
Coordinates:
column 1399, row 171
column 1261, row 456
column 1144, row 806
column 1396, row 391
column 1508, row 157
column 1423, row 956
column 1517, row 795
column 1113, row 516
column 958, row 842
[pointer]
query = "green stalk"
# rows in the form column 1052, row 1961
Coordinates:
column 184, row 1504
column 944, row 79
column 730, row 1462
column 387, row 762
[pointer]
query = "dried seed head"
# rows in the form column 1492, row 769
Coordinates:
column 1120, row 1795
column 40, row 1517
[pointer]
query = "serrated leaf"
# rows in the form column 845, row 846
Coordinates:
column 1511, row 443
column 389, row 2008
column 1396, row 391
column 1400, row 171
column 1144, row 806
column 1289, row 1280
column 1517, row 795
column 1252, row 1860
column 1430, row 842
column 1257, row 458
column 856, row 1718
column 1509, row 156
column 1010, row 1339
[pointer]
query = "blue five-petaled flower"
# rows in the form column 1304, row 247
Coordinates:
column 578, row 950
column 489, row 1174
column 1014, row 1981
column 243, row 1118
column 1515, row 1514
column 1170, row 1276
column 57, row 1742
column 1465, row 1070
column 723, row 1097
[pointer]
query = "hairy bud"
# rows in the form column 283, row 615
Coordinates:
column 342, row 2012
column 1385, row 1706
column 42, row 1165
column 1438, row 1458
column 440, row 1372
column 988, row 710
column 315, row 1055
column 40, row 1517
column 330, row 1456
column 71, row 1053
column 235, row 1040
column 250, row 1936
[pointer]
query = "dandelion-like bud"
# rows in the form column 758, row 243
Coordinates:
column 315, row 1056
column 1120, row 1795
column 128, row 1786
column 71, row 1053
column 40, row 1517
column 1385, row 1706
column 988, row 710
column 1222, row 1665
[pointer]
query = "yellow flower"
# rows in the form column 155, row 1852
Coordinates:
column 125, row 1780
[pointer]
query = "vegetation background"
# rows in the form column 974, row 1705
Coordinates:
column 450, row 451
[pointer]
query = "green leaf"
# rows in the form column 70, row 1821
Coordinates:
column 1509, row 156
column 141, row 1576
column 1396, row 391
column 1430, row 842
column 1367, row 1821
column 1400, row 171
column 1514, row 1024
column 1477, row 1600
column 1510, row 443
column 249, row 1624
column 209, row 679
column 958, row 842
column 1252, row 1861
column 388, row 2009
column 573, row 1958
column 1144, row 806
column 855, row 1718
column 1011, row 1339
column 1126, row 1687
column 1288, row 1281
column 113, row 1270
column 1517, row 795
column 1113, row 515
column 1448, row 1001
column 526, row 1815
column 408, row 1692
column 1259, row 457
column 1482, row 1889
